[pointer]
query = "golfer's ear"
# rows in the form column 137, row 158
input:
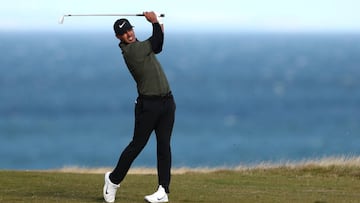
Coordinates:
column 118, row 36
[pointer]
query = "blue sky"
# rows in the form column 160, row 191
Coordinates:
column 185, row 15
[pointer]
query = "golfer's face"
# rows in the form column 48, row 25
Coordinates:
column 128, row 37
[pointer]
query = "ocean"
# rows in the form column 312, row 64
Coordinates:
column 67, row 99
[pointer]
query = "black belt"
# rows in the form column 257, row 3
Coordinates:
column 165, row 96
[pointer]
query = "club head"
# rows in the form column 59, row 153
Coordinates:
column 61, row 20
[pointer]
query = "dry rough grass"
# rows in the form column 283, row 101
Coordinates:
column 326, row 162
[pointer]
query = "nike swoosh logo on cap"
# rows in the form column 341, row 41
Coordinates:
column 122, row 25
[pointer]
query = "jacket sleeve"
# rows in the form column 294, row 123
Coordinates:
column 157, row 38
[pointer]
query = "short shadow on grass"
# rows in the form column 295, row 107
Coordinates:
column 120, row 199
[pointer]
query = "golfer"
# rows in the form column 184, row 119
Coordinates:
column 154, row 107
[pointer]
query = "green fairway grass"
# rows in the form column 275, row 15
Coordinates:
column 307, row 183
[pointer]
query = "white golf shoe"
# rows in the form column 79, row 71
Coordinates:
column 110, row 189
column 158, row 197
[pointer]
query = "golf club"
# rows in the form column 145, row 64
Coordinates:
column 61, row 20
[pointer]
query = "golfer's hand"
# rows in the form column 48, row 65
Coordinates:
column 151, row 17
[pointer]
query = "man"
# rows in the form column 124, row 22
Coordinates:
column 154, row 107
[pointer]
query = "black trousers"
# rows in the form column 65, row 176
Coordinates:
column 152, row 113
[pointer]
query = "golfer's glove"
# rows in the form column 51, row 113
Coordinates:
column 160, row 19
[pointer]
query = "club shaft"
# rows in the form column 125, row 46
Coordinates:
column 61, row 21
column 68, row 15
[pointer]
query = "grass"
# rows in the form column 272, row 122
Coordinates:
column 318, row 181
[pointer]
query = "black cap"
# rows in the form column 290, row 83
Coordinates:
column 121, row 26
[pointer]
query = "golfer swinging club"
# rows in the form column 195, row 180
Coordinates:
column 154, row 107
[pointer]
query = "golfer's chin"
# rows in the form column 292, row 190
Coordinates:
column 130, row 40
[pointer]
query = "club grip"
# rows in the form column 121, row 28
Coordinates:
column 161, row 15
